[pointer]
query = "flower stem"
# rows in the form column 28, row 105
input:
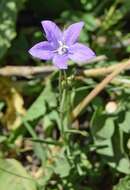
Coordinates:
column 61, row 104
column 67, row 99
column 64, row 105
column 60, row 86
column 65, row 77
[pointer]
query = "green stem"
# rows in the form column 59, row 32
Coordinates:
column 65, row 77
column 68, row 100
column 60, row 103
column 60, row 86
column 64, row 97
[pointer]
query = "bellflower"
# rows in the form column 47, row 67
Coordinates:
column 61, row 46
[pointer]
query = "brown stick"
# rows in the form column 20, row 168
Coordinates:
column 98, row 89
column 102, row 71
column 28, row 71
column 25, row 71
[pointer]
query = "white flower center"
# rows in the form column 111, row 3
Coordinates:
column 62, row 48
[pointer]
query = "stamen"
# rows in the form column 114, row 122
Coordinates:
column 63, row 49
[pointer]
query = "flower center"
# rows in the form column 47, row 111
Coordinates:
column 63, row 49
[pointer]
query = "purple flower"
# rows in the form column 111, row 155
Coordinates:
column 61, row 46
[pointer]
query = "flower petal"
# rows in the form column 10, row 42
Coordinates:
column 53, row 32
column 42, row 50
column 80, row 53
column 71, row 34
column 60, row 61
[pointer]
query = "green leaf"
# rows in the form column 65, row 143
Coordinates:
column 14, row 177
column 102, row 125
column 62, row 166
column 109, row 139
column 125, row 123
column 50, row 120
column 102, row 128
column 124, row 165
column 38, row 108
column 124, row 184
column 104, row 147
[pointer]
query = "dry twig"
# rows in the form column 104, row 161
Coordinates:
column 102, row 71
column 99, row 88
column 25, row 71
column 28, row 71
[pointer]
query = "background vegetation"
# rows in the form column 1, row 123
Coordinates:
column 96, row 155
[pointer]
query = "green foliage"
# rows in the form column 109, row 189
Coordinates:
column 124, row 184
column 9, row 10
column 124, row 124
column 109, row 138
column 14, row 176
column 62, row 166
column 91, row 153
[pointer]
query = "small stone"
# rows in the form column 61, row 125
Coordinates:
column 111, row 107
